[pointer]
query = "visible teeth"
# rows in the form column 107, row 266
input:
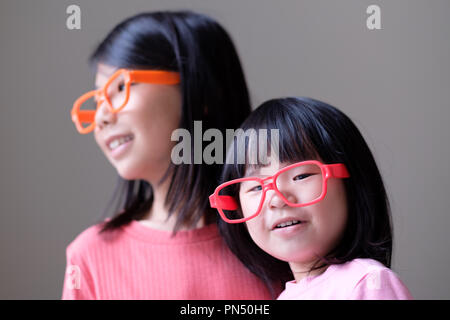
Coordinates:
column 288, row 223
column 114, row 144
column 117, row 142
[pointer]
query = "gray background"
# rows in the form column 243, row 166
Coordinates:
column 394, row 83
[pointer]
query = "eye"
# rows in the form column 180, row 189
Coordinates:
column 250, row 187
column 121, row 86
column 302, row 176
column 255, row 188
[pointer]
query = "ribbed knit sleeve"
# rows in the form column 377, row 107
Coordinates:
column 78, row 282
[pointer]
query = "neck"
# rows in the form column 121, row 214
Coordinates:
column 303, row 270
column 158, row 215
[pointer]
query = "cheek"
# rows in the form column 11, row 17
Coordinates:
column 249, row 206
column 157, row 114
column 96, row 138
column 100, row 143
column 331, row 215
column 257, row 231
column 161, row 101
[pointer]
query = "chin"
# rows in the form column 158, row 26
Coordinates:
column 128, row 172
column 127, row 176
column 293, row 254
column 284, row 256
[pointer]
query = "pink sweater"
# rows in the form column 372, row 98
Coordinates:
column 137, row 262
column 355, row 280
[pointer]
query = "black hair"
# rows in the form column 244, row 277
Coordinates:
column 214, row 91
column 311, row 129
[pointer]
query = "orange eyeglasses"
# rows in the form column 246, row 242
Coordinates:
column 116, row 92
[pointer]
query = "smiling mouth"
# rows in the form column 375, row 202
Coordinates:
column 288, row 224
column 118, row 142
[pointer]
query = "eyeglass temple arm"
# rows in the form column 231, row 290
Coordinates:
column 338, row 170
column 84, row 115
column 161, row 77
column 223, row 202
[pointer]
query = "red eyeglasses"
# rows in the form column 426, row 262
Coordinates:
column 298, row 185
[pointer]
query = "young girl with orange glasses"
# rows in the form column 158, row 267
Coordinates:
column 157, row 72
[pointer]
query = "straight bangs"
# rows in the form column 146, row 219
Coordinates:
column 260, row 141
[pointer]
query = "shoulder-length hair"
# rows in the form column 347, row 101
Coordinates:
column 214, row 91
column 309, row 129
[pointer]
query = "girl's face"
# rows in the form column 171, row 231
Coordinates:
column 322, row 224
column 153, row 111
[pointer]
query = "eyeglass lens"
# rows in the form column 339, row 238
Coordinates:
column 299, row 185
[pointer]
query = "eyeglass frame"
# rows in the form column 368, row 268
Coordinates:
column 131, row 76
column 225, row 202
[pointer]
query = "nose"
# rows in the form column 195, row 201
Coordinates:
column 274, row 200
column 103, row 115
column 288, row 191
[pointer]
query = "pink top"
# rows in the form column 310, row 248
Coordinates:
column 143, row 263
column 357, row 279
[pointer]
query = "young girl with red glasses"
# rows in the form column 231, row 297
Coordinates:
column 318, row 212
